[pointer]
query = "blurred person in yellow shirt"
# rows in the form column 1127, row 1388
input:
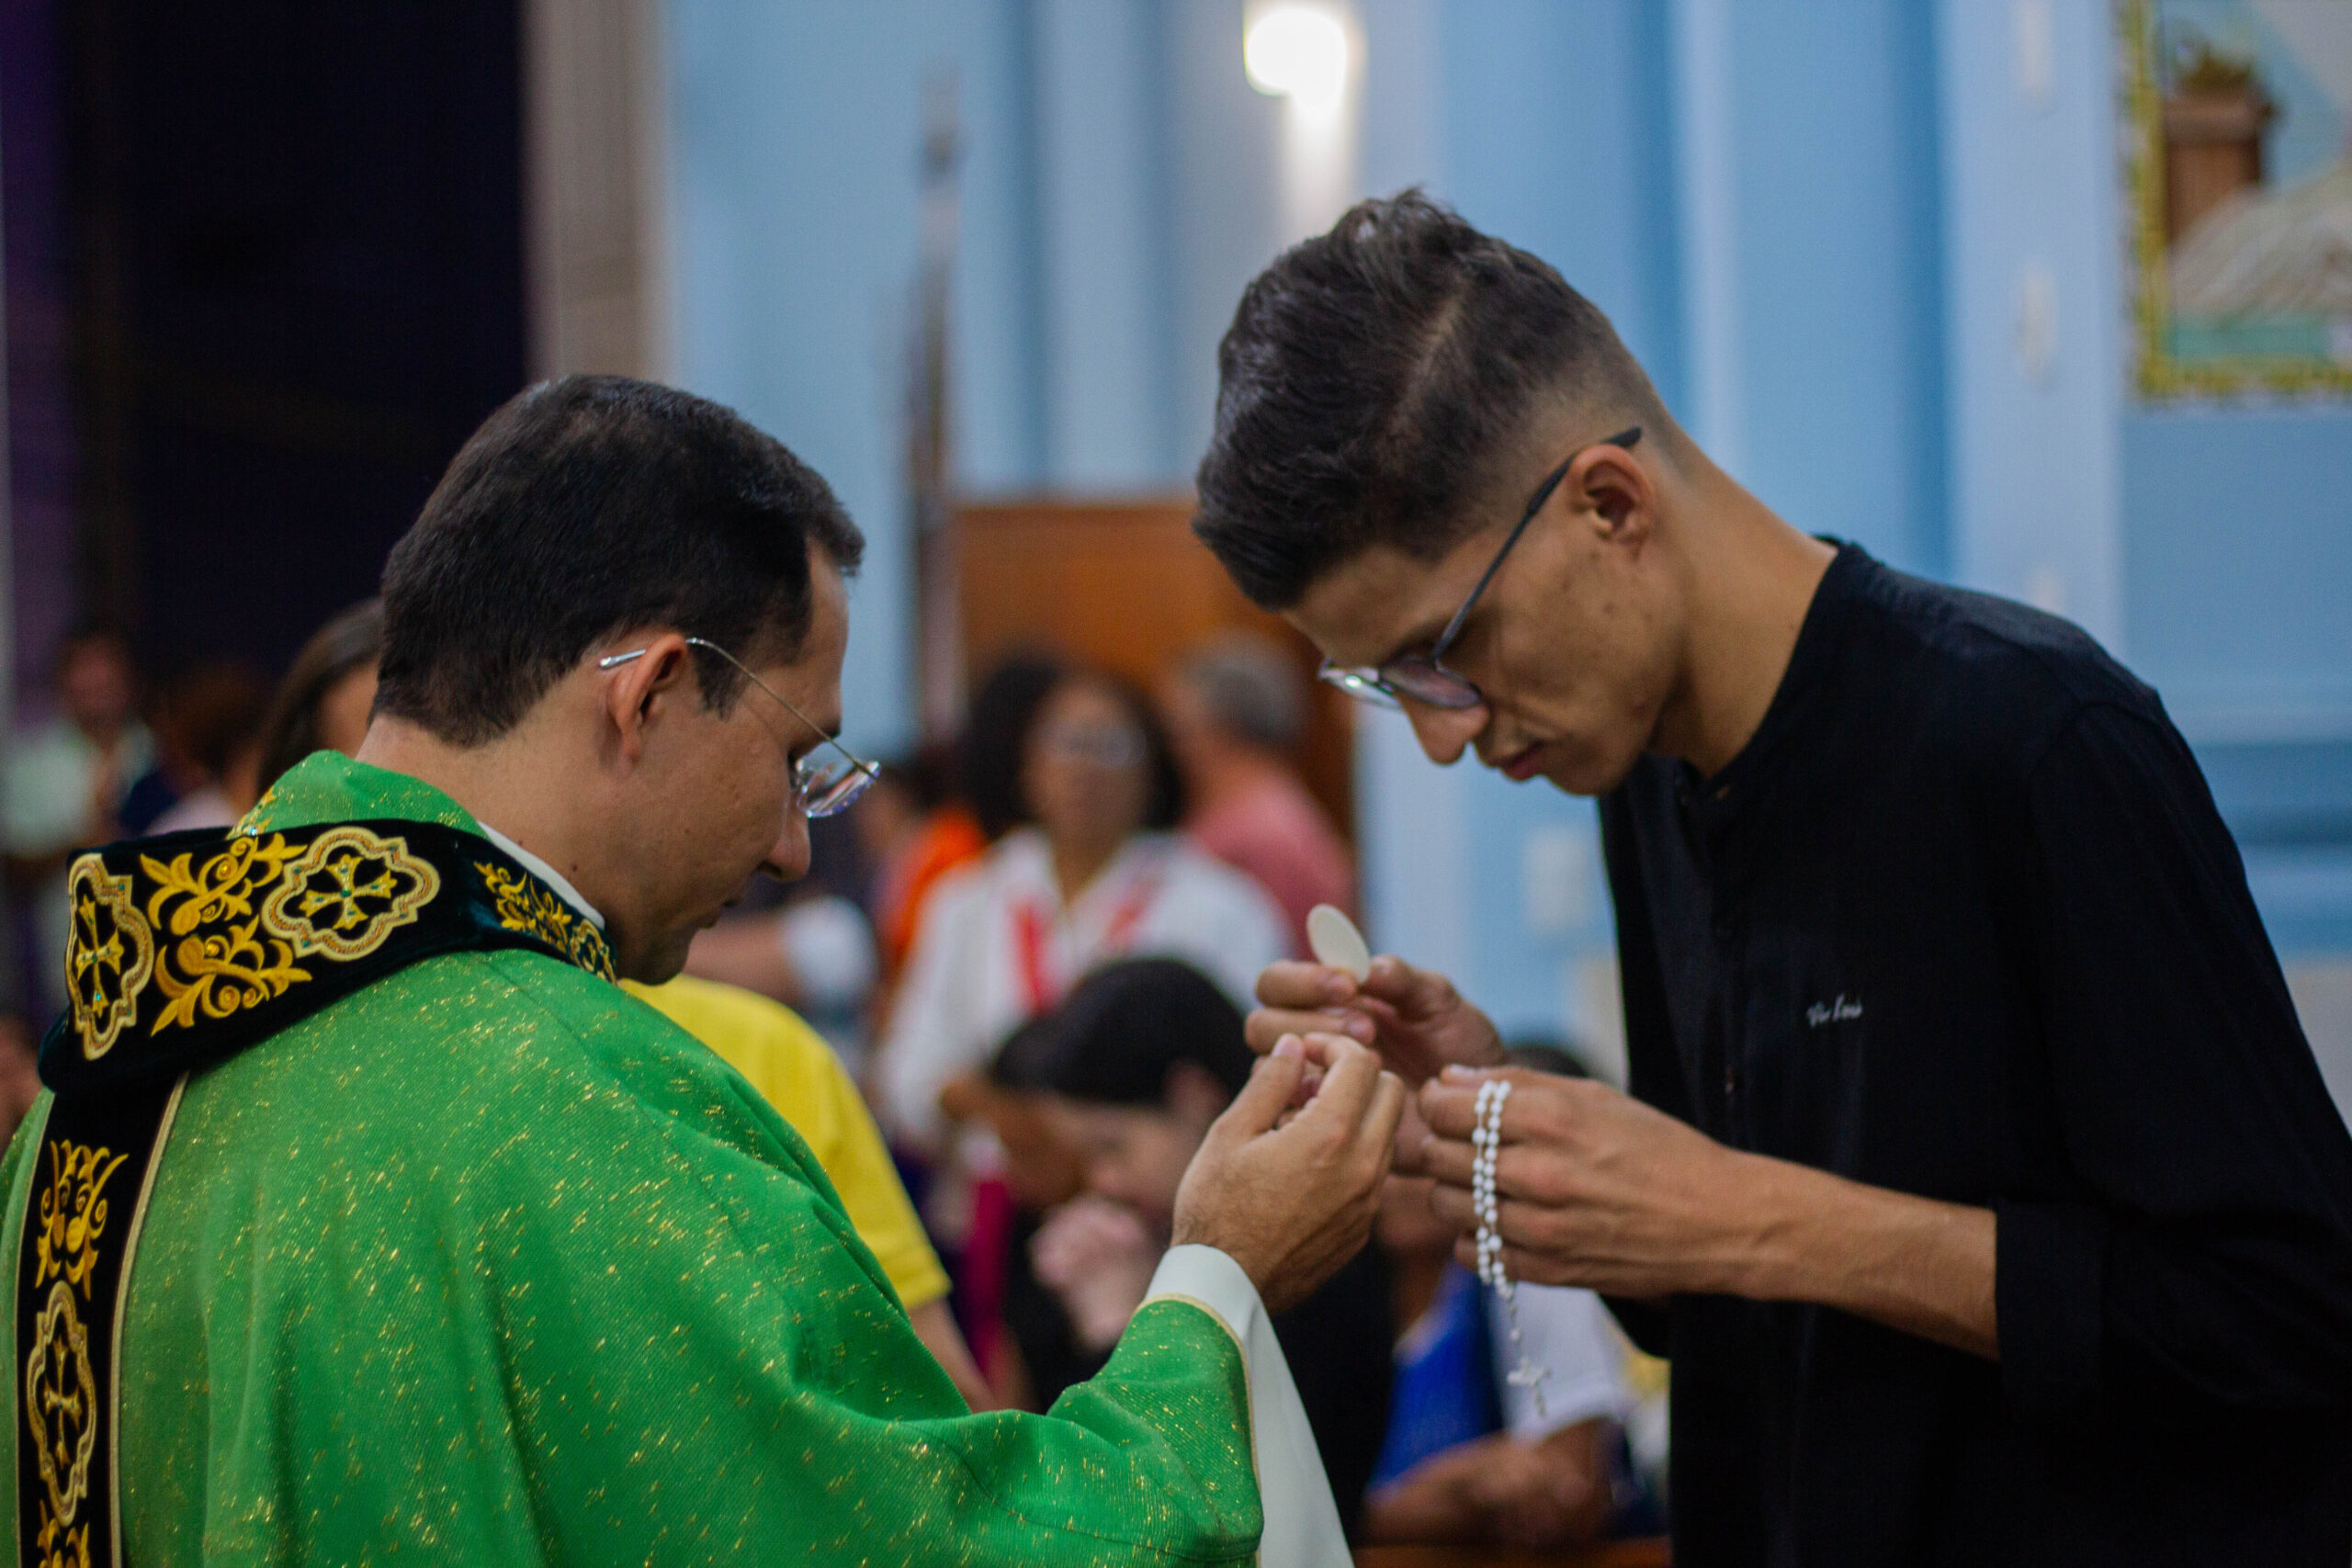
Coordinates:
column 794, row 1070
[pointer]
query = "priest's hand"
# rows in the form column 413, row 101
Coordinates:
column 1415, row 1018
column 1290, row 1197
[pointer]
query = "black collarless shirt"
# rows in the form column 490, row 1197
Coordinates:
column 1962, row 920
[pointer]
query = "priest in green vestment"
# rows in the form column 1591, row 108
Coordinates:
column 368, row 1221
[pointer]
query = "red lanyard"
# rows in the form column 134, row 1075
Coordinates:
column 1033, row 933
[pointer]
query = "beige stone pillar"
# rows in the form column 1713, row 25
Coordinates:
column 595, row 167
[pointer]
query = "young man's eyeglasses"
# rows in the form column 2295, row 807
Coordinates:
column 820, row 785
column 1423, row 677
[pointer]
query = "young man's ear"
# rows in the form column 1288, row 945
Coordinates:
column 1611, row 483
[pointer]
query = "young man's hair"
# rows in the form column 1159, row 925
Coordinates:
column 585, row 508
column 1372, row 379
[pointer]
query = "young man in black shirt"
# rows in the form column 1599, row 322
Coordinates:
column 1976, row 1175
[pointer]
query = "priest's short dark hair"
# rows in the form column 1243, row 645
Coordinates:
column 587, row 507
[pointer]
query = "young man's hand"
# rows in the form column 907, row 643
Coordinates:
column 1415, row 1018
column 1598, row 1189
column 1291, row 1202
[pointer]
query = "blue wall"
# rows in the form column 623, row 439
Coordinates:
column 1813, row 219
column 2237, row 567
column 794, row 133
column 1115, row 196
column 1583, row 176
column 1817, row 215
column 2028, row 175
column 1833, row 128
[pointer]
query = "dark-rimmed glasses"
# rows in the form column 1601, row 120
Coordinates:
column 820, row 789
column 1423, row 677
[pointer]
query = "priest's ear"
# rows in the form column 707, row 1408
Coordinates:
column 638, row 679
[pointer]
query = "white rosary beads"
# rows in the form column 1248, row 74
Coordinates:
column 1486, row 1145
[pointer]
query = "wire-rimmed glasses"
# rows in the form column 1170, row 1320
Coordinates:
column 820, row 785
column 1423, row 677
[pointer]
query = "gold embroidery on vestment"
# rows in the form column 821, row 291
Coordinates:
column 249, row 825
column 348, row 892
column 221, row 965
column 61, row 1406
column 524, row 904
column 61, row 1410
column 73, row 1213
column 111, row 957
column 225, row 932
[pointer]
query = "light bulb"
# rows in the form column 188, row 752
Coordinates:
column 1298, row 52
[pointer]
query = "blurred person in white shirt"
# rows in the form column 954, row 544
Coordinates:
column 64, row 786
column 1100, row 875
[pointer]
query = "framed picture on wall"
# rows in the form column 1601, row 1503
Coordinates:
column 2237, row 134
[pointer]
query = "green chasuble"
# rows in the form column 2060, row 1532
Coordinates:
column 486, row 1263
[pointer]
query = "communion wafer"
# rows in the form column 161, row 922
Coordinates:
column 1336, row 943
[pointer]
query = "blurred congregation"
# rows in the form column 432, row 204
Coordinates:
column 268, row 265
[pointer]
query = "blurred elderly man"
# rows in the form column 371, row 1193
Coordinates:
column 1235, row 709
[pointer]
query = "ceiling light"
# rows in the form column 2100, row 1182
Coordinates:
column 1298, row 52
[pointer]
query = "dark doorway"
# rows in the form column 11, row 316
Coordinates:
column 297, row 286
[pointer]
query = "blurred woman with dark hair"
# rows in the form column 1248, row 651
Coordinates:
column 211, row 736
column 1128, row 1072
column 323, row 703
column 989, row 758
column 1100, row 875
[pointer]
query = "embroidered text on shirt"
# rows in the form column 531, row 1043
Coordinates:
column 1838, row 1012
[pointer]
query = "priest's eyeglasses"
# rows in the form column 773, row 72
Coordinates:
column 821, row 785
column 1423, row 677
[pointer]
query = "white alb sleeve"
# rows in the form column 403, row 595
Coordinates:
column 1302, row 1523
